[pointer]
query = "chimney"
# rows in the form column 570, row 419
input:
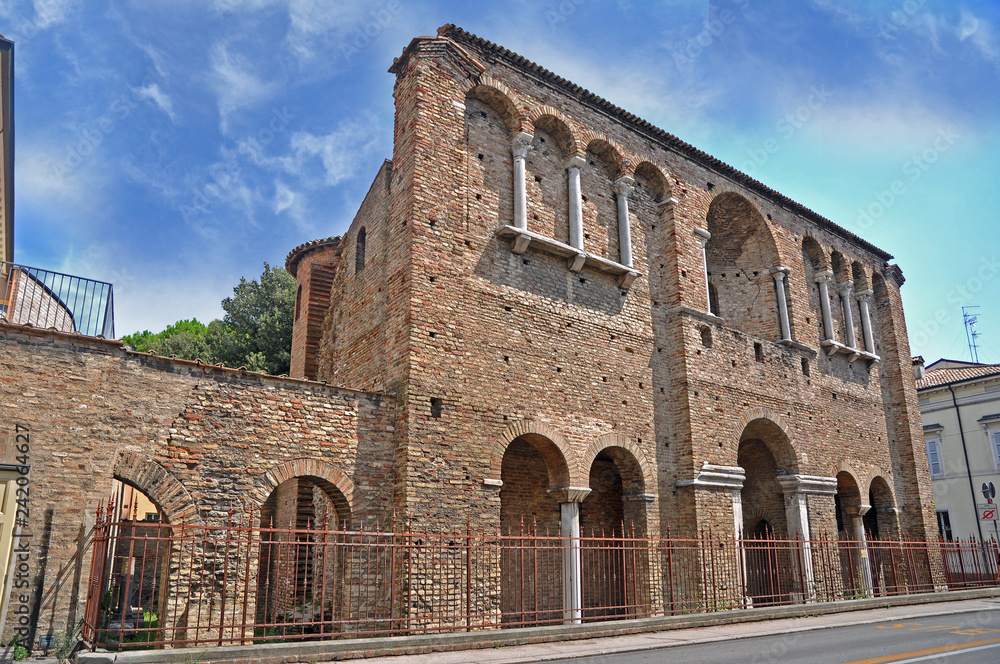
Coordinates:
column 918, row 367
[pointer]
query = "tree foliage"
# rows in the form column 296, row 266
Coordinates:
column 255, row 332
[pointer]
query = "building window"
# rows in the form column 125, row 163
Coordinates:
column 934, row 457
column 298, row 301
column 944, row 525
column 995, row 439
column 359, row 250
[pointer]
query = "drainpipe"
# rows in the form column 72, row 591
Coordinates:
column 965, row 452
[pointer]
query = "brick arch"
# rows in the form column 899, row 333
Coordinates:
column 502, row 99
column 529, row 427
column 860, row 276
column 148, row 476
column 750, row 415
column 650, row 171
column 337, row 485
column 816, row 253
column 608, row 145
column 615, row 440
column 538, row 112
column 879, row 473
column 755, row 514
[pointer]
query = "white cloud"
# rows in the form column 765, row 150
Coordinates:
column 980, row 34
column 235, row 84
column 59, row 178
column 284, row 197
column 154, row 93
column 50, row 12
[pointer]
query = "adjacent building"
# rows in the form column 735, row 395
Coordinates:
column 960, row 408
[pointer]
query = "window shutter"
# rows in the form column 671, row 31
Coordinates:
column 934, row 456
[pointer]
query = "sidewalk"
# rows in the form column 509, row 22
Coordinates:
column 535, row 644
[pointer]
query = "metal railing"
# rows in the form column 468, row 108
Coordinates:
column 154, row 585
column 46, row 299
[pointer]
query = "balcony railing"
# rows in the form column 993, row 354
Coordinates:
column 46, row 299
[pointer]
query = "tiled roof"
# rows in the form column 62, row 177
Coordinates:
column 296, row 254
column 642, row 126
column 938, row 377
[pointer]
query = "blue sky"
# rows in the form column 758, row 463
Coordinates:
column 172, row 147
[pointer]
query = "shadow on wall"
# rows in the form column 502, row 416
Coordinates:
column 549, row 277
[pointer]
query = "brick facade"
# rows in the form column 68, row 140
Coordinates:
column 489, row 371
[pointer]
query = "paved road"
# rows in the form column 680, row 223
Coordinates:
column 956, row 639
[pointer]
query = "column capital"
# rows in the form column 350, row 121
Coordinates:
column 780, row 272
column 864, row 295
column 575, row 161
column 845, row 288
column 815, row 484
column 716, row 477
column 520, row 144
column 824, row 276
column 703, row 234
column 623, row 186
column 570, row 494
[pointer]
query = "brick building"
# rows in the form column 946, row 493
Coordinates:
column 546, row 312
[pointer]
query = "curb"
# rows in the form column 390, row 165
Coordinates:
column 287, row 653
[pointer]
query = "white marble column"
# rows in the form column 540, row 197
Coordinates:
column 864, row 297
column 573, row 166
column 705, row 236
column 823, row 280
column 779, row 274
column 844, row 289
column 569, row 526
column 519, row 148
column 623, row 187
column 856, row 515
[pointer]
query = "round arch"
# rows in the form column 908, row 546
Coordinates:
column 334, row 483
column 618, row 446
column 149, row 477
column 659, row 185
column 554, row 123
column 763, row 421
column 501, row 99
column 557, row 452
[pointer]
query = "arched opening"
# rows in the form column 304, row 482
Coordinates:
column 490, row 119
column 546, row 180
column 531, row 583
column 299, row 576
column 600, row 211
column 360, row 248
column 740, row 255
column 881, row 528
column 853, row 552
column 764, row 453
column 613, row 573
column 298, row 301
column 814, row 261
column 139, row 569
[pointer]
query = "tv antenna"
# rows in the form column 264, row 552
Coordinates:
column 971, row 334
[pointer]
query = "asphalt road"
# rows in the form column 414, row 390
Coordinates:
column 965, row 638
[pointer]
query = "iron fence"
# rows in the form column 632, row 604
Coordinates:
column 155, row 585
column 47, row 299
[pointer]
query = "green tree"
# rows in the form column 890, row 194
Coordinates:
column 256, row 331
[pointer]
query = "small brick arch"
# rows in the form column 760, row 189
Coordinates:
column 646, row 168
column 159, row 485
column 494, row 92
column 337, row 485
column 615, row 440
column 754, row 414
column 539, row 112
column 879, row 474
column 527, row 427
column 617, row 154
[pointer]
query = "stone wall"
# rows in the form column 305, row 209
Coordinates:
column 198, row 440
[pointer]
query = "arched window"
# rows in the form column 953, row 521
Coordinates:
column 298, row 301
column 359, row 251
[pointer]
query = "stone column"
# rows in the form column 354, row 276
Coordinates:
column 569, row 525
column 797, row 489
column 519, row 148
column 573, row 166
column 845, row 288
column 623, row 187
column 705, row 236
column 779, row 273
column 864, row 297
column 823, row 279
column 856, row 515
